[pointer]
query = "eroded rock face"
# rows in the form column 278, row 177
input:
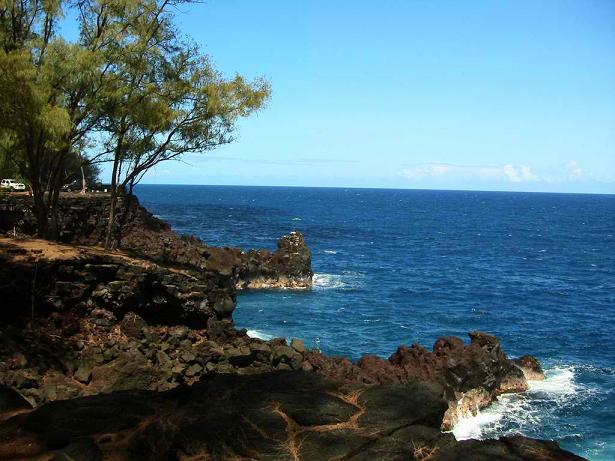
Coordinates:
column 107, row 286
column 273, row 416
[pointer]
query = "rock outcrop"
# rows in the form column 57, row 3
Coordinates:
column 288, row 267
column 471, row 375
column 85, row 322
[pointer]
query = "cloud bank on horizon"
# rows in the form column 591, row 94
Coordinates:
column 571, row 171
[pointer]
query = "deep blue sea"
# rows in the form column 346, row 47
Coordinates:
column 402, row 266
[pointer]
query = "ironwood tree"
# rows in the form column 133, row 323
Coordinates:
column 131, row 90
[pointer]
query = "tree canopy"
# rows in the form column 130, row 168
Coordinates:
column 132, row 90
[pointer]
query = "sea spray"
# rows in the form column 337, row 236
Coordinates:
column 520, row 413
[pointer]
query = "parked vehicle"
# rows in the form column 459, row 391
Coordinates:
column 12, row 185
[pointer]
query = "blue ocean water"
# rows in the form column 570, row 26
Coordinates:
column 402, row 266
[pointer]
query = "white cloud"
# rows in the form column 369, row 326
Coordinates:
column 574, row 170
column 521, row 173
column 511, row 173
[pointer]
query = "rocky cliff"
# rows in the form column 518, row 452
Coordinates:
column 82, row 220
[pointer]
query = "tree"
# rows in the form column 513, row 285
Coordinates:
column 130, row 91
column 47, row 96
column 165, row 100
column 78, row 168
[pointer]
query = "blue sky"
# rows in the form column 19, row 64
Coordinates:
column 485, row 95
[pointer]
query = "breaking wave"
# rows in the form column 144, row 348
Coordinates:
column 522, row 413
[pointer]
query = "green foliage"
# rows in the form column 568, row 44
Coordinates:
column 165, row 99
column 132, row 91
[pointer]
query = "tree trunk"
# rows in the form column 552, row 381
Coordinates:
column 84, row 183
column 112, row 205
column 110, row 224
column 53, row 194
column 54, row 197
column 40, row 213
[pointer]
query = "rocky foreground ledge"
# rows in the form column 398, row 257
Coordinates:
column 274, row 416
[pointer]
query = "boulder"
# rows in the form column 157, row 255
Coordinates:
column 298, row 345
column 83, row 373
column 286, row 355
column 132, row 325
column 128, row 371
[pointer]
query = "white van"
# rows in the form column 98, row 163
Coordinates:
column 12, row 185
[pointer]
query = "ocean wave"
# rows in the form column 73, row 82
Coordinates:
column 330, row 252
column 521, row 413
column 259, row 334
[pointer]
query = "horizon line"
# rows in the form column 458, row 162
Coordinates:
column 376, row 188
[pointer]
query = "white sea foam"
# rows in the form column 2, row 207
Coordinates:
column 472, row 427
column 559, row 382
column 330, row 252
column 296, row 219
column 328, row 281
column 345, row 280
column 258, row 334
column 512, row 413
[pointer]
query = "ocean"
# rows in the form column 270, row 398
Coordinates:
column 402, row 266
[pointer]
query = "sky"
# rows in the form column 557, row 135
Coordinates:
column 481, row 95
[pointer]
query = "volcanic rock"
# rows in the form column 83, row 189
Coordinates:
column 530, row 367
column 275, row 417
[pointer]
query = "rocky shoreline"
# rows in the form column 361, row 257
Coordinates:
column 82, row 220
column 133, row 354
